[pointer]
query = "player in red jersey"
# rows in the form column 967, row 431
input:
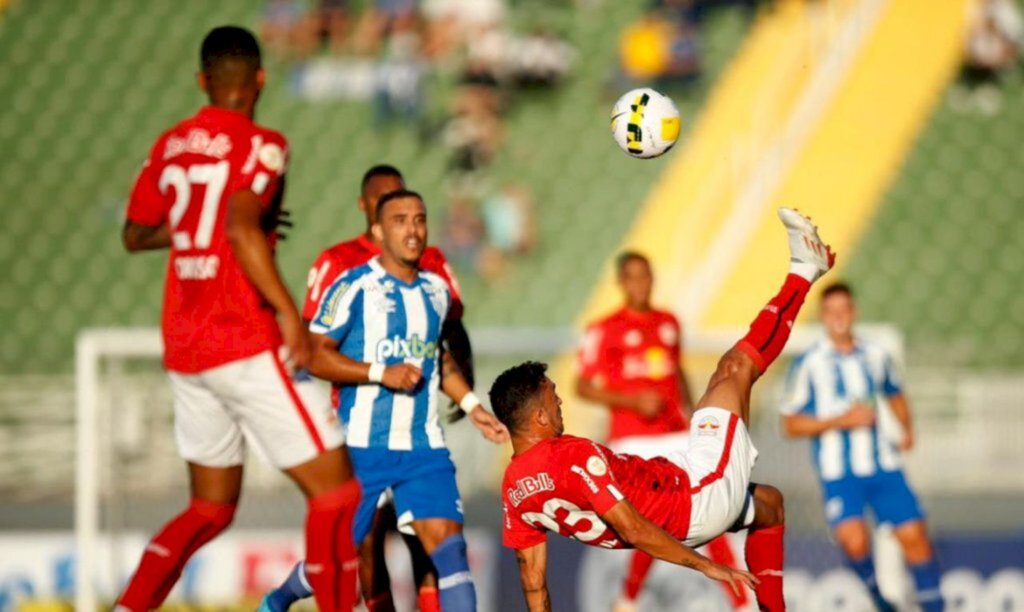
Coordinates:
column 211, row 192
column 631, row 361
column 329, row 265
column 666, row 505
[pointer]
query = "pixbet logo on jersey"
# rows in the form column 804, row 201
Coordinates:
column 402, row 348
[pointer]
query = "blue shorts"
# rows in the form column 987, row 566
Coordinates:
column 887, row 493
column 422, row 483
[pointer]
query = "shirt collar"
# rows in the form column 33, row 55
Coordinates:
column 223, row 114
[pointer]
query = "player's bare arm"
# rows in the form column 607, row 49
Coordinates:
column 646, row 403
column 454, row 385
column 327, row 363
column 533, row 563
column 641, row 533
column 804, row 425
column 901, row 409
column 252, row 250
column 138, row 237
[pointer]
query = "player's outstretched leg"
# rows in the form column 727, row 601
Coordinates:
column 809, row 259
column 215, row 494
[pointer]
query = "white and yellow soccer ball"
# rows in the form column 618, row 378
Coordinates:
column 645, row 123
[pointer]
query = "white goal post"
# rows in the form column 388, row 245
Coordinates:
column 101, row 356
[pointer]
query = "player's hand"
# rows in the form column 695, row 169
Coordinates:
column 648, row 404
column 401, row 377
column 858, row 415
column 283, row 223
column 296, row 342
column 907, row 442
column 735, row 578
column 489, row 425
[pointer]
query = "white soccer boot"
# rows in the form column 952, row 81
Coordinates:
column 809, row 256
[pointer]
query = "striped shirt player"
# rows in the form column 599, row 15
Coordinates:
column 394, row 438
column 837, row 390
column 825, row 383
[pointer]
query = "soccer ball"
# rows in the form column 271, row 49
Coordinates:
column 645, row 123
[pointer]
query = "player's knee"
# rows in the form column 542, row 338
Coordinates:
column 218, row 516
column 734, row 364
column 771, row 503
column 917, row 548
column 432, row 533
column 855, row 543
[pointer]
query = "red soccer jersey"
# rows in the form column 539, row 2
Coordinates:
column 566, row 484
column 352, row 253
column 212, row 312
column 632, row 352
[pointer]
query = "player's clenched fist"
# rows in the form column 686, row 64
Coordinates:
column 296, row 341
column 402, row 377
column 648, row 404
column 489, row 425
column 858, row 415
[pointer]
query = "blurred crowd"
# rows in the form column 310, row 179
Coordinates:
column 994, row 40
column 662, row 48
column 387, row 51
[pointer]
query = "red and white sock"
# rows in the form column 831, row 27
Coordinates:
column 331, row 561
column 770, row 330
column 168, row 552
column 765, row 556
column 639, row 566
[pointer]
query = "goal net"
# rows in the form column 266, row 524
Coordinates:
column 129, row 479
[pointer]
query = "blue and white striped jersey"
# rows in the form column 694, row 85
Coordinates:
column 378, row 318
column 824, row 383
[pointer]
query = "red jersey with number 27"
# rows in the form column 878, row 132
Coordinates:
column 356, row 252
column 566, row 484
column 212, row 312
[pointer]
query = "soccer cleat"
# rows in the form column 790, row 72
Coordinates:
column 266, row 604
column 809, row 256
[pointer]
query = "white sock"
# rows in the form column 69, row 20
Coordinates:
column 805, row 270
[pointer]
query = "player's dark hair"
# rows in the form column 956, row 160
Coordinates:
column 514, row 389
column 837, row 288
column 229, row 43
column 379, row 170
column 395, row 195
column 625, row 257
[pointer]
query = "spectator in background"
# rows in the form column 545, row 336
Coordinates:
column 661, row 47
column 379, row 19
column 293, row 32
column 284, row 29
column 993, row 50
column 398, row 90
column 329, row 22
column 463, row 233
column 475, row 131
column 508, row 220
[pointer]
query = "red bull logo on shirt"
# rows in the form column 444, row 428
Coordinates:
column 708, row 426
column 405, row 348
column 526, row 487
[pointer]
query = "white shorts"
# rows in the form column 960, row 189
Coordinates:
column 718, row 461
column 648, row 447
column 252, row 400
